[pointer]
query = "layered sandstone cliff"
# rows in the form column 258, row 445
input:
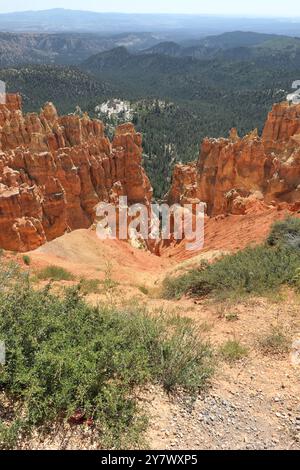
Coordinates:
column 237, row 175
column 55, row 170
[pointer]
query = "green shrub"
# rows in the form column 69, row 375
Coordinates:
column 89, row 286
column 9, row 434
column 296, row 280
column 231, row 317
column 275, row 343
column 181, row 354
column 55, row 273
column 27, row 260
column 254, row 270
column 233, row 351
column 10, row 274
column 109, row 284
column 144, row 290
column 285, row 232
column 63, row 355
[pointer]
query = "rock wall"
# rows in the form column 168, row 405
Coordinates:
column 236, row 175
column 55, row 170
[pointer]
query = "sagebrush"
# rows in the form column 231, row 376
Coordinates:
column 64, row 355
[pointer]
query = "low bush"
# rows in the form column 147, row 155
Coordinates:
column 144, row 290
column 285, row 232
column 275, row 343
column 65, row 357
column 27, row 260
column 233, row 351
column 231, row 317
column 89, row 286
column 296, row 279
column 254, row 270
column 55, row 273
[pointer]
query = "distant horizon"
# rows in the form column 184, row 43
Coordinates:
column 240, row 15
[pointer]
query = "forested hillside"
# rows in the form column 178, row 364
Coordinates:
column 176, row 99
column 67, row 87
column 208, row 97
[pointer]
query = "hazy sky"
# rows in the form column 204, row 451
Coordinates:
column 287, row 8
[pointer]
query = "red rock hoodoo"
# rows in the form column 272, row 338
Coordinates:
column 239, row 175
column 55, row 170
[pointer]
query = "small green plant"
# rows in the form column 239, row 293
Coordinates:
column 55, row 273
column 89, row 286
column 181, row 355
column 27, row 260
column 109, row 283
column 231, row 317
column 275, row 343
column 296, row 279
column 9, row 433
column 233, row 351
column 144, row 290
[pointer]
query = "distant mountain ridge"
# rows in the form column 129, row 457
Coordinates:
column 74, row 48
column 65, row 48
column 236, row 45
column 188, row 26
column 170, row 57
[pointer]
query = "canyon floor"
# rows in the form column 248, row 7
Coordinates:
column 253, row 403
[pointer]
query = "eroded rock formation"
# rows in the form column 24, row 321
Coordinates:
column 238, row 175
column 55, row 170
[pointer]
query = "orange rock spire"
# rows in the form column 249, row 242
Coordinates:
column 236, row 175
column 55, row 170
